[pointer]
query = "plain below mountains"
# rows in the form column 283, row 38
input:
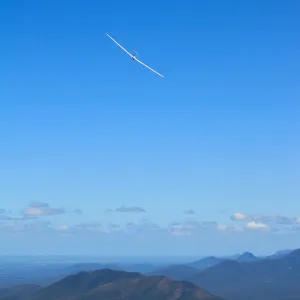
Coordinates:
column 109, row 284
column 14, row 273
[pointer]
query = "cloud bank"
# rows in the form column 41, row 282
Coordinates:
column 31, row 219
column 38, row 209
column 129, row 209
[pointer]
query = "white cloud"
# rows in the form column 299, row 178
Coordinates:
column 265, row 219
column 63, row 228
column 143, row 227
column 210, row 224
column 39, row 208
column 239, row 217
column 38, row 204
column 89, row 226
column 257, row 226
column 222, row 227
column 13, row 226
column 190, row 212
column 42, row 211
column 184, row 228
column 181, row 233
column 229, row 228
column 24, row 226
column 114, row 226
column 130, row 209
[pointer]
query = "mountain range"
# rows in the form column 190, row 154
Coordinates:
column 30, row 271
column 249, row 278
column 187, row 271
column 108, row 284
column 242, row 277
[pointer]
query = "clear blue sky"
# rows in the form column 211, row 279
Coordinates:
column 83, row 127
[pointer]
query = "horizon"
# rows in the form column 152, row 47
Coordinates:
column 99, row 155
column 133, row 258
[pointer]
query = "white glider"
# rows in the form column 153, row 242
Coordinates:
column 134, row 56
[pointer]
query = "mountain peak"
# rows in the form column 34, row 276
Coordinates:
column 246, row 256
column 205, row 263
column 109, row 284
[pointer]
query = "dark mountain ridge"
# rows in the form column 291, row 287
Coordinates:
column 109, row 284
column 176, row 272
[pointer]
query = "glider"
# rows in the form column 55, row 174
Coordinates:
column 134, row 56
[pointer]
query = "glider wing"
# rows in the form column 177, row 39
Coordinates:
column 120, row 45
column 148, row 67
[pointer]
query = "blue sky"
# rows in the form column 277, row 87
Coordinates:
column 85, row 130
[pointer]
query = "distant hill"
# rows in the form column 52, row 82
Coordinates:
column 140, row 268
column 176, row 272
column 187, row 271
column 247, row 256
column 108, row 284
column 191, row 270
column 234, row 257
column 19, row 291
column 76, row 268
column 262, row 279
column 206, row 262
column 280, row 254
